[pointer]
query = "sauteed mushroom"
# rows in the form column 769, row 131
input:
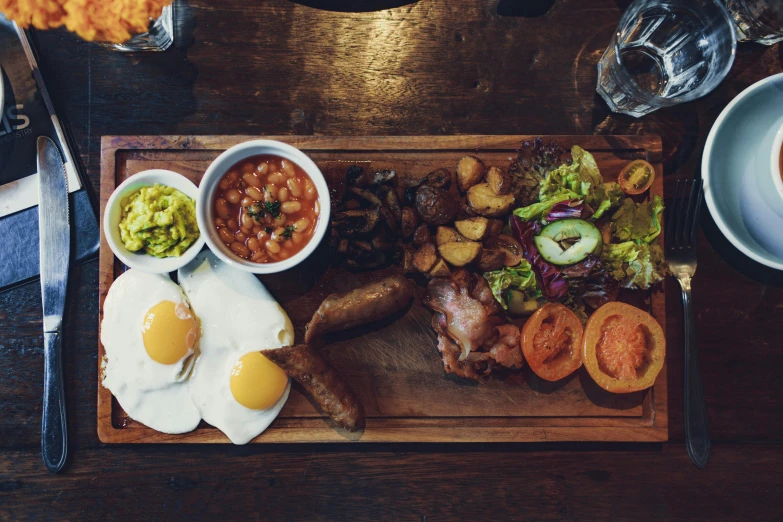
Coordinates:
column 367, row 220
column 352, row 223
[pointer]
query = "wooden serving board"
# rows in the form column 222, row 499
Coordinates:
column 394, row 366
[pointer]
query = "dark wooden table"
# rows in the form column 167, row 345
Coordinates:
column 427, row 67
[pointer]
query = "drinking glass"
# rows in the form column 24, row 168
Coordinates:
column 666, row 52
column 757, row 20
column 159, row 37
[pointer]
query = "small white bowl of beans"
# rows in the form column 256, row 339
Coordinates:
column 263, row 206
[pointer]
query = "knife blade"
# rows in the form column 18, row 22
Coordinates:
column 55, row 247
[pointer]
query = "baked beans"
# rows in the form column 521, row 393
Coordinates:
column 266, row 208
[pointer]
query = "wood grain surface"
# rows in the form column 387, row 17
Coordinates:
column 396, row 68
column 394, row 367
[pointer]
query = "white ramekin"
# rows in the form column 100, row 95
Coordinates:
column 206, row 213
column 112, row 215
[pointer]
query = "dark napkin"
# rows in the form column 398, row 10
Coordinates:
column 25, row 117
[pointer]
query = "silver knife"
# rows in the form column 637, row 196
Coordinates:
column 55, row 234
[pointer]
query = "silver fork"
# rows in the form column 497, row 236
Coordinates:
column 681, row 226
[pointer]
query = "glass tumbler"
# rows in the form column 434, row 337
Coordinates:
column 757, row 20
column 666, row 52
column 159, row 37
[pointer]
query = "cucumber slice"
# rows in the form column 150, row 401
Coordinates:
column 568, row 241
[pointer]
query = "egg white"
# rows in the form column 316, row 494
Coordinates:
column 152, row 393
column 238, row 315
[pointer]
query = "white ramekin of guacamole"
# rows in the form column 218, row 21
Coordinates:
column 150, row 221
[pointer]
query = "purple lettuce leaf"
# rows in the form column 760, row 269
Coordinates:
column 566, row 209
column 550, row 280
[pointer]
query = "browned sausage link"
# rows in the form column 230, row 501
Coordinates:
column 322, row 382
column 366, row 304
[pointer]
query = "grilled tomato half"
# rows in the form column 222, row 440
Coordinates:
column 551, row 342
column 623, row 348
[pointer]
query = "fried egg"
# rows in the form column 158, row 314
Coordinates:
column 236, row 389
column 150, row 338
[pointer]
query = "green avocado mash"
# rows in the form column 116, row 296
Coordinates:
column 159, row 219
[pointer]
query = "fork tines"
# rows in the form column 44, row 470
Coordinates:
column 682, row 222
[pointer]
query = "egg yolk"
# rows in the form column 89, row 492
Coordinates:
column 170, row 331
column 256, row 382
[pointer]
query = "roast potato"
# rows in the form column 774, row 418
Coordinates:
column 460, row 253
column 499, row 181
column 438, row 178
column 409, row 221
column 490, row 259
column 446, row 235
column 473, row 228
column 485, row 202
column 436, row 206
column 425, row 258
column 441, row 269
column 421, row 236
column 470, row 170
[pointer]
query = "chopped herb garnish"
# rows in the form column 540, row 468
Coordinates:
column 289, row 230
column 273, row 207
column 259, row 210
column 254, row 212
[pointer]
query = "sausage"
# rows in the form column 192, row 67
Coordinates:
column 322, row 382
column 365, row 304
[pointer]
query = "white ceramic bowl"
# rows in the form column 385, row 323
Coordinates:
column 738, row 184
column 206, row 213
column 775, row 175
column 111, row 221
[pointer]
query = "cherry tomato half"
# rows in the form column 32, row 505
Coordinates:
column 623, row 348
column 551, row 342
column 636, row 177
column 511, row 248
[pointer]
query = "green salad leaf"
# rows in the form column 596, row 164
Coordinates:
column 638, row 222
column 605, row 205
column 588, row 168
column 520, row 277
column 614, row 192
column 538, row 211
column 578, row 180
column 613, row 196
column 634, row 265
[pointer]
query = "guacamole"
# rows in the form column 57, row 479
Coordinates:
column 159, row 219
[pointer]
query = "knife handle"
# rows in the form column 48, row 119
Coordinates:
column 54, row 433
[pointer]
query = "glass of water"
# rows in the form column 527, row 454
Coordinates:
column 666, row 52
column 159, row 37
column 757, row 20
